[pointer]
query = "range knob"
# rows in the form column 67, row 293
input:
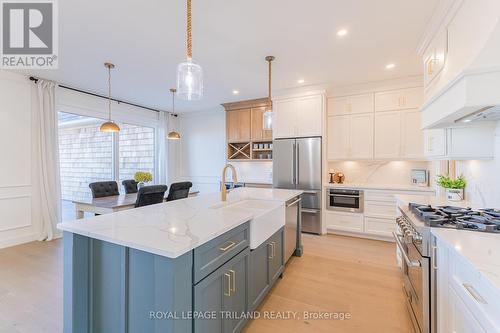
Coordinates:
column 417, row 238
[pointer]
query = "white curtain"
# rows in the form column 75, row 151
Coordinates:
column 162, row 148
column 46, row 159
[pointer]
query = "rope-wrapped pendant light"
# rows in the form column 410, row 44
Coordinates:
column 189, row 73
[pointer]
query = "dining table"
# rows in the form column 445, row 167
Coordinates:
column 110, row 204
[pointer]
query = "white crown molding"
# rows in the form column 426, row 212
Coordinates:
column 377, row 86
column 443, row 14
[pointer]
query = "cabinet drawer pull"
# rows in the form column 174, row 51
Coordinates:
column 231, row 244
column 227, row 292
column 470, row 289
column 434, row 257
column 233, row 288
column 271, row 256
column 274, row 249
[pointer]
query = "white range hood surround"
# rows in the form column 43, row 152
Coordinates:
column 476, row 87
column 467, row 94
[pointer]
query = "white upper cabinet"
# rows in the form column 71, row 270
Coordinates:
column 285, row 118
column 338, row 137
column 310, row 116
column 388, row 135
column 298, row 116
column 412, row 137
column 350, row 137
column 463, row 143
column 357, row 130
column 410, row 98
column 355, row 104
column 361, row 136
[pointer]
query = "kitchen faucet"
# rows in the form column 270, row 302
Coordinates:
column 223, row 189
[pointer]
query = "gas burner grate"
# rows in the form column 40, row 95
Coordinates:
column 487, row 220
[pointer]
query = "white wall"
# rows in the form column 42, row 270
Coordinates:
column 201, row 154
column 483, row 178
column 18, row 213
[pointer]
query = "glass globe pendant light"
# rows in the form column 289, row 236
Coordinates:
column 267, row 116
column 110, row 125
column 189, row 73
column 173, row 135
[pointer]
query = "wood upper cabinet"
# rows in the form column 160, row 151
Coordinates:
column 238, row 125
column 258, row 131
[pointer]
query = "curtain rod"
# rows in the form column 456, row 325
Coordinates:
column 34, row 79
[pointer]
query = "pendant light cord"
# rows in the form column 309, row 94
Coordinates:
column 189, row 31
column 270, row 59
column 109, row 93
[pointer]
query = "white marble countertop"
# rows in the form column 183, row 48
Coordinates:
column 371, row 186
column 481, row 250
column 173, row 228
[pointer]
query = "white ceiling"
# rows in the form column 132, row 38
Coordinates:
column 146, row 40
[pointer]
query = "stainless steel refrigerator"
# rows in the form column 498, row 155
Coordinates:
column 297, row 165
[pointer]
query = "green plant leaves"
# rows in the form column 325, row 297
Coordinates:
column 448, row 182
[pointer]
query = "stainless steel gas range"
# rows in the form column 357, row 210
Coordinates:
column 417, row 248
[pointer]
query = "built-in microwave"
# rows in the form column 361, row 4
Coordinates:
column 344, row 199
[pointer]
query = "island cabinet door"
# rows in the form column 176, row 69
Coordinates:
column 220, row 299
column 259, row 280
column 276, row 260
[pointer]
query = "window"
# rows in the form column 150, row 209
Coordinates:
column 88, row 155
column 136, row 150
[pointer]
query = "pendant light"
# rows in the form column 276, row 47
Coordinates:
column 110, row 125
column 267, row 116
column 189, row 73
column 173, row 135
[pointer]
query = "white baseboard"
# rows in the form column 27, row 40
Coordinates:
column 17, row 240
column 360, row 235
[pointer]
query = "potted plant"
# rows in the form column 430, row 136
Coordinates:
column 142, row 177
column 454, row 187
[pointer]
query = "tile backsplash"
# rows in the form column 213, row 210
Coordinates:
column 379, row 172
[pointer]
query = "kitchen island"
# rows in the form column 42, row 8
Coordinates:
column 192, row 265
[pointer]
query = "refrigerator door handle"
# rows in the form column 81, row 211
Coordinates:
column 294, row 165
column 297, row 153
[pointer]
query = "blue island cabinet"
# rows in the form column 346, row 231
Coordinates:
column 220, row 300
column 266, row 266
column 110, row 288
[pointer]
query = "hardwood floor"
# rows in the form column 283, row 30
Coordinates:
column 335, row 274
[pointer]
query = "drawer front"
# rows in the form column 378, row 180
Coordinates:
column 379, row 226
column 379, row 196
column 480, row 297
column 210, row 256
column 384, row 209
column 345, row 222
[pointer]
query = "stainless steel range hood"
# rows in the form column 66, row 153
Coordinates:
column 487, row 113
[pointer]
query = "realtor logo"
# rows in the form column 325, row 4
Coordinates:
column 29, row 34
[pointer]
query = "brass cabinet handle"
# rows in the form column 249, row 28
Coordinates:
column 231, row 244
column 233, row 288
column 472, row 291
column 228, row 292
column 272, row 252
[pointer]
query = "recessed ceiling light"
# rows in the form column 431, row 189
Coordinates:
column 300, row 81
column 342, row 32
column 390, row 66
column 236, row 92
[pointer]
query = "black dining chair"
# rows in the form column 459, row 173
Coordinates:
column 104, row 189
column 179, row 191
column 130, row 186
column 150, row 195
